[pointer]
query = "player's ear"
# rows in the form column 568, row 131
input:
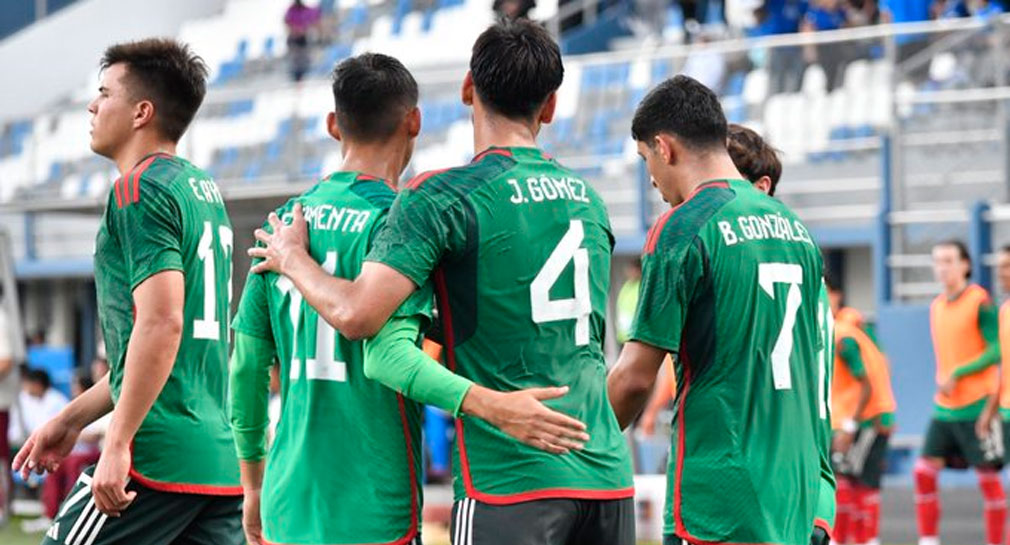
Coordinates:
column 764, row 185
column 548, row 109
column 332, row 127
column 414, row 122
column 143, row 113
column 467, row 91
column 666, row 149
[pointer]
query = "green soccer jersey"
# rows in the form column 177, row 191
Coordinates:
column 824, row 515
column 731, row 284
column 167, row 214
column 344, row 466
column 519, row 248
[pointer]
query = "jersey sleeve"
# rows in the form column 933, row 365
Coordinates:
column 848, row 352
column 253, row 315
column 249, row 391
column 419, row 231
column 150, row 231
column 669, row 276
column 988, row 325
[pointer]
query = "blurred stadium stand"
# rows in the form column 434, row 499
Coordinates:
column 908, row 149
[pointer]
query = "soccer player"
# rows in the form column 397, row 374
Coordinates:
column 965, row 327
column 862, row 412
column 744, row 464
column 168, row 472
column 759, row 163
column 364, row 434
column 519, row 250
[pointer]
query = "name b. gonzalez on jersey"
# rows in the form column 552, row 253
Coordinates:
column 547, row 188
column 763, row 227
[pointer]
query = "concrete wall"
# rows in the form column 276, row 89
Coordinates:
column 48, row 60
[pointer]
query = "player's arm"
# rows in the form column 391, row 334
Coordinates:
column 393, row 358
column 660, row 398
column 249, row 384
column 150, row 355
column 848, row 352
column 48, row 445
column 357, row 309
column 669, row 275
column 988, row 325
column 630, row 381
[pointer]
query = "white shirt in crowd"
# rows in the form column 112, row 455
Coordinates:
column 32, row 412
column 9, row 385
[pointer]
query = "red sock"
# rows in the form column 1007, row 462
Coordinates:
column 927, row 502
column 994, row 509
column 844, row 510
column 868, row 502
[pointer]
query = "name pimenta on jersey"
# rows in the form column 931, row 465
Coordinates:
column 327, row 217
column 764, row 227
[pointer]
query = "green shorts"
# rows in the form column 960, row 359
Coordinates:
column 154, row 518
column 866, row 459
column 958, row 445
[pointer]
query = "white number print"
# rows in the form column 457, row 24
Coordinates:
column 575, row 308
column 324, row 365
column 209, row 328
column 770, row 274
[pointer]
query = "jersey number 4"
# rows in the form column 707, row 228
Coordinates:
column 575, row 308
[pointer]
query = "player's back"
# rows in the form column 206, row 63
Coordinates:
column 522, row 298
column 750, row 365
column 166, row 214
column 332, row 416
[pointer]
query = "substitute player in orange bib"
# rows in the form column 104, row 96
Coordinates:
column 862, row 415
column 964, row 326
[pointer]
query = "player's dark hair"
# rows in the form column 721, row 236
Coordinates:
column 1005, row 248
column 831, row 283
column 962, row 252
column 371, row 93
column 515, row 66
column 83, row 380
column 684, row 108
column 167, row 73
column 753, row 156
column 38, row 376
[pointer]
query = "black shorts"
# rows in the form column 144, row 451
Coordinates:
column 959, row 446
column 544, row 522
column 866, row 459
column 819, row 536
column 154, row 518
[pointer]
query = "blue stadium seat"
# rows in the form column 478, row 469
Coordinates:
column 253, row 170
column 57, row 361
column 268, row 47
column 240, row 107
column 312, row 167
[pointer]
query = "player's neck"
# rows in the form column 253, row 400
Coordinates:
column 137, row 149
column 706, row 169
column 953, row 292
column 500, row 132
column 379, row 161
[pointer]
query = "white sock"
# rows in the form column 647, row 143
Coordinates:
column 931, row 540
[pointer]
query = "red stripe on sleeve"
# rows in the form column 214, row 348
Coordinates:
column 416, row 181
column 115, row 190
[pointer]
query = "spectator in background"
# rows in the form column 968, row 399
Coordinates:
column 969, row 8
column 785, row 64
column 705, row 65
column 627, row 299
column 37, row 402
column 8, row 394
column 301, row 21
column 85, row 453
column 513, row 9
column 832, row 57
